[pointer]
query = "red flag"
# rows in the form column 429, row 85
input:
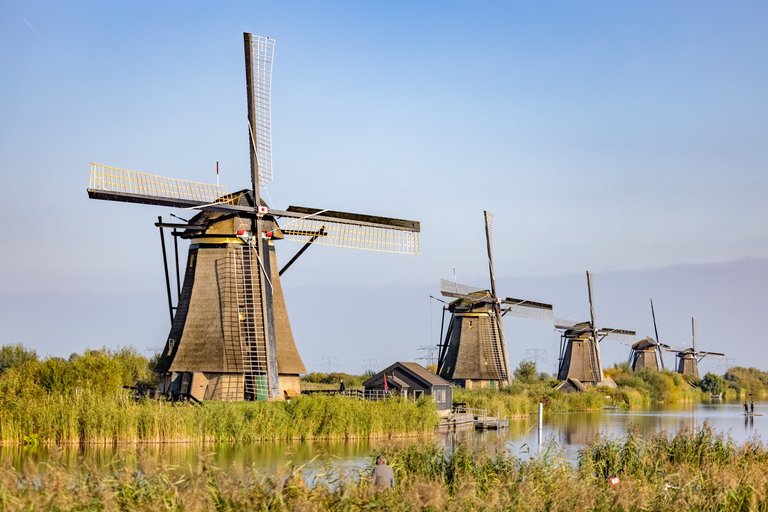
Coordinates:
column 386, row 386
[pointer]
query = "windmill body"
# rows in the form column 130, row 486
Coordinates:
column 473, row 352
column 476, row 354
column 580, row 358
column 580, row 363
column 230, row 336
column 688, row 359
column 687, row 363
column 646, row 354
column 215, row 349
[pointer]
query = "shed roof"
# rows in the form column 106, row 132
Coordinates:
column 415, row 369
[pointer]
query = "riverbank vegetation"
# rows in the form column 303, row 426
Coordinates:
column 690, row 471
column 747, row 382
column 631, row 391
column 82, row 400
column 332, row 380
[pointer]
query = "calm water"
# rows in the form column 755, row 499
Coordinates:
column 566, row 431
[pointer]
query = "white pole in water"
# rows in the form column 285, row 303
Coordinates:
column 541, row 422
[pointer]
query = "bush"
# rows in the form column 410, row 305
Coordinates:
column 713, row 384
column 15, row 356
column 526, row 371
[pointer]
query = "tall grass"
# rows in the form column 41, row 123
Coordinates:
column 690, row 471
column 523, row 399
column 90, row 417
column 81, row 400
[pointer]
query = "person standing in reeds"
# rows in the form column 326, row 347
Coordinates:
column 382, row 476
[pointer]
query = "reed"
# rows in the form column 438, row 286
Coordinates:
column 523, row 399
column 90, row 417
column 82, row 400
column 690, row 471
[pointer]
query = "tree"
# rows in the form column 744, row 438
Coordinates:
column 713, row 384
column 526, row 371
column 13, row 356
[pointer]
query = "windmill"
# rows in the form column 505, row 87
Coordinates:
column 474, row 352
column 688, row 359
column 580, row 363
column 230, row 337
column 646, row 353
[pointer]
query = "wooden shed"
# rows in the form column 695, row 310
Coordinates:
column 413, row 381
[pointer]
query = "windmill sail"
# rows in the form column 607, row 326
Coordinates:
column 352, row 231
column 488, row 216
column 116, row 184
column 522, row 308
column 262, row 50
column 454, row 289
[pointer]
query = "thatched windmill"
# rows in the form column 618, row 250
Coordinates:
column 688, row 359
column 474, row 352
column 647, row 353
column 230, row 337
column 580, row 363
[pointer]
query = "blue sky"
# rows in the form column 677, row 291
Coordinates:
column 627, row 138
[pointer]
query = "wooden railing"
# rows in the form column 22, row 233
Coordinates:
column 358, row 394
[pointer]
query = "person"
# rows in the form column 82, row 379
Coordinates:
column 752, row 407
column 341, row 387
column 382, row 476
column 746, row 408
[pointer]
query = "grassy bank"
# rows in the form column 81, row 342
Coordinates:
column 88, row 417
column 633, row 391
column 691, row 471
column 522, row 400
column 81, row 400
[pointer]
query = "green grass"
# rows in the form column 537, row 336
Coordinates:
column 523, row 399
column 89, row 417
column 81, row 400
column 688, row 472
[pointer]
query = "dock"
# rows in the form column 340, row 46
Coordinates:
column 463, row 417
column 491, row 423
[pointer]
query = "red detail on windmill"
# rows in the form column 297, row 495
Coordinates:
column 268, row 234
column 240, row 232
column 262, row 210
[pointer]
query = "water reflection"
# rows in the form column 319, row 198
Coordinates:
column 568, row 432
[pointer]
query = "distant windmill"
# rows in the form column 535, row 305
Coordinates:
column 474, row 351
column 230, row 337
column 647, row 353
column 580, row 363
column 688, row 359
